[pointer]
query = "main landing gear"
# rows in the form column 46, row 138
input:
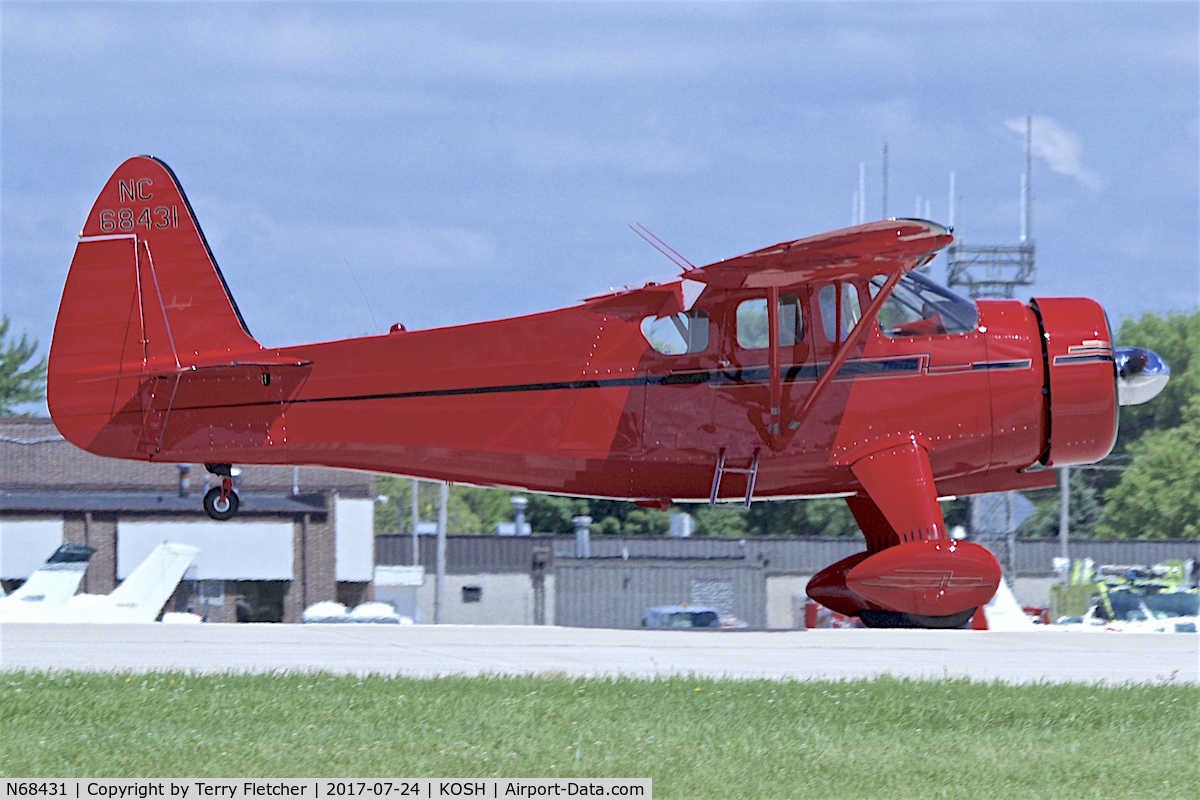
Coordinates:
column 221, row 502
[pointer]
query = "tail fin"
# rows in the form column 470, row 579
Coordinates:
column 143, row 297
column 143, row 594
column 55, row 582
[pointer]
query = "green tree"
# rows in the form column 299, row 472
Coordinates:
column 645, row 522
column 548, row 513
column 722, row 520
column 491, row 506
column 394, row 515
column 1158, row 495
column 20, row 381
column 825, row 517
column 1176, row 338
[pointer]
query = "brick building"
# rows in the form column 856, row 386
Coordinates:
column 301, row 536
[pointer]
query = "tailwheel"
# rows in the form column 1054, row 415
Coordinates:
column 902, row 619
column 220, row 507
column 221, row 502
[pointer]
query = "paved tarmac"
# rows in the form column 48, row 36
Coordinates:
column 428, row 650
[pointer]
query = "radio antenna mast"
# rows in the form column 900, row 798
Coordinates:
column 997, row 270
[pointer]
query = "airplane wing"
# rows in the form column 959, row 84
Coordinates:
column 864, row 251
column 52, row 584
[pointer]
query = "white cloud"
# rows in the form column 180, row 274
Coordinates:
column 1061, row 149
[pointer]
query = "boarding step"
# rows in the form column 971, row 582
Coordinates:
column 751, row 473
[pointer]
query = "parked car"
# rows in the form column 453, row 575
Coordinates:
column 681, row 617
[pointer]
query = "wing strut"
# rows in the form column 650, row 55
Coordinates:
column 773, row 361
column 856, row 334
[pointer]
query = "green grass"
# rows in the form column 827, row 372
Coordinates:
column 695, row 738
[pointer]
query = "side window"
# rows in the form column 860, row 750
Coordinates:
column 827, row 301
column 791, row 321
column 752, row 323
column 677, row 334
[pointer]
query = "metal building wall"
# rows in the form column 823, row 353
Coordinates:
column 775, row 554
column 1035, row 556
column 613, row 593
column 469, row 553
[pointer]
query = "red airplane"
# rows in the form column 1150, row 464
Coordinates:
column 813, row 368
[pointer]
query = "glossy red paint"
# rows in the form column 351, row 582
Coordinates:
column 1083, row 379
column 930, row 578
column 828, row 587
column 780, row 382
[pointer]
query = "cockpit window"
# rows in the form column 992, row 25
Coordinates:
column 752, row 332
column 919, row 307
column 686, row 332
column 827, row 301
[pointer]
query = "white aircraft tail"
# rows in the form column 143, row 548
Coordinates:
column 56, row 581
column 1004, row 613
column 143, row 594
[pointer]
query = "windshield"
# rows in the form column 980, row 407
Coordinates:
column 919, row 307
column 1132, row 605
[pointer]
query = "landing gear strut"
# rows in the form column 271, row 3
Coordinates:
column 221, row 502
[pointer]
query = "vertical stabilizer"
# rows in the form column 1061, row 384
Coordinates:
column 143, row 298
column 144, row 593
column 52, row 584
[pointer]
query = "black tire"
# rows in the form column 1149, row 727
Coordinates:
column 218, row 510
column 950, row 621
column 885, row 619
column 900, row 619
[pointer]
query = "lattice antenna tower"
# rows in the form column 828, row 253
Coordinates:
column 997, row 270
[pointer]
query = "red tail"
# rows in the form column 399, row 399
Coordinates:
column 144, row 298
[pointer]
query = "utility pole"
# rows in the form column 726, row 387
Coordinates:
column 862, row 192
column 950, row 213
column 439, row 585
column 997, row 270
column 1064, row 510
column 885, row 177
column 1028, row 179
column 416, row 519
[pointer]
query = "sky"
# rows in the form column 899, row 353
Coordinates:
column 464, row 161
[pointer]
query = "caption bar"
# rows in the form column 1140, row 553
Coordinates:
column 321, row 789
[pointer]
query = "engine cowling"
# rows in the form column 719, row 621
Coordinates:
column 1077, row 349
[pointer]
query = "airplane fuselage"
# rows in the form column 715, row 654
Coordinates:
column 824, row 366
column 577, row 401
